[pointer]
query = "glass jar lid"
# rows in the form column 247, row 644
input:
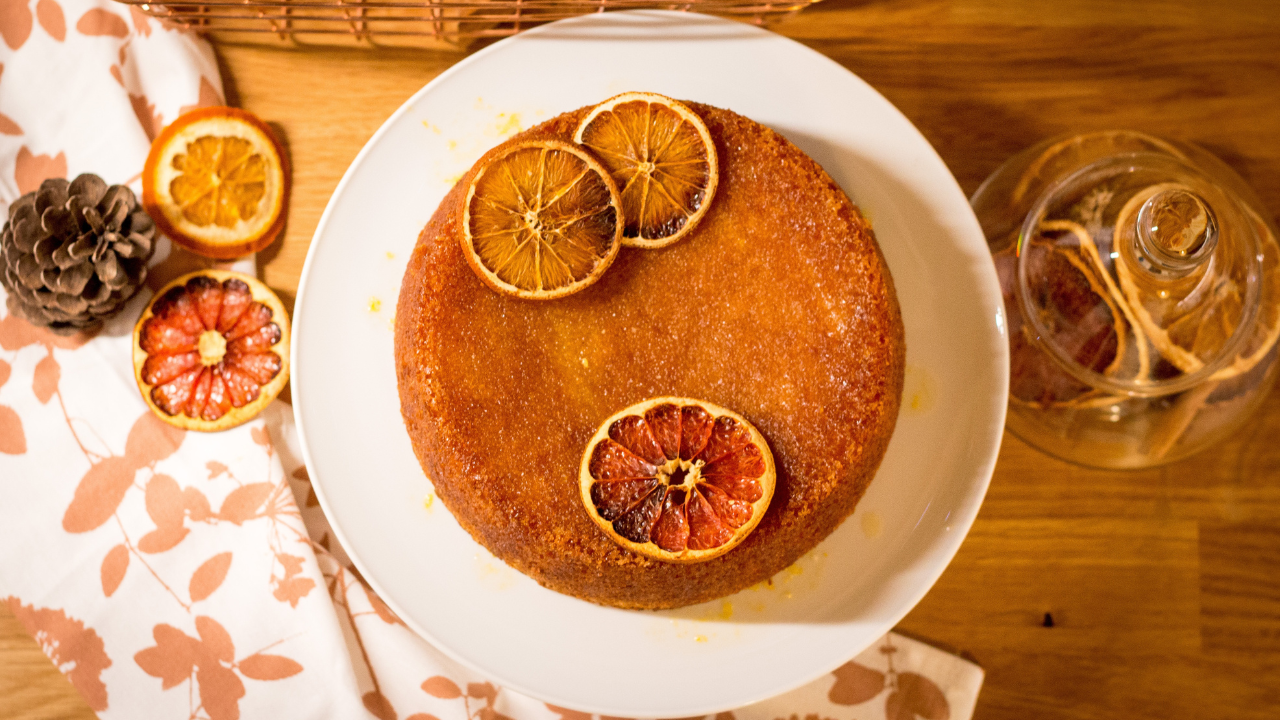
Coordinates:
column 1141, row 275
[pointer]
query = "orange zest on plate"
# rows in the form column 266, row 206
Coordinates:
column 677, row 479
column 217, row 182
column 663, row 159
column 211, row 350
column 541, row 220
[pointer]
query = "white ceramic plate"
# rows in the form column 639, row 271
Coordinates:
column 763, row 641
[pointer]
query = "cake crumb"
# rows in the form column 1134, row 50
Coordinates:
column 375, row 304
column 700, row 638
column 391, row 255
column 428, row 500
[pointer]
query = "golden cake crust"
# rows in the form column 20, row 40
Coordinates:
column 778, row 305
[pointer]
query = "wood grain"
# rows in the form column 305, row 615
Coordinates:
column 1163, row 584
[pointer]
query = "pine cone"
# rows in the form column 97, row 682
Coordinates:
column 74, row 253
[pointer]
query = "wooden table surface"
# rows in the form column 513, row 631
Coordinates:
column 1164, row 584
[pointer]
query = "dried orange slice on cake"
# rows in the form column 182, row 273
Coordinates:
column 217, row 182
column 677, row 479
column 541, row 220
column 662, row 157
column 211, row 350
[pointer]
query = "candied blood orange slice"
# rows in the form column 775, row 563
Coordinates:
column 217, row 182
column 541, row 220
column 211, row 350
column 661, row 155
column 677, row 479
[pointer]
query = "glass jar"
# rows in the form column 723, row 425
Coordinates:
column 1141, row 282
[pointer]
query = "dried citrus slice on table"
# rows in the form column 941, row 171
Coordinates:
column 541, row 220
column 211, row 350
column 677, row 479
column 217, row 182
column 662, row 157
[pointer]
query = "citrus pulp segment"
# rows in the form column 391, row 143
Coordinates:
column 541, row 220
column 211, row 350
column 662, row 157
column 677, row 479
column 217, row 181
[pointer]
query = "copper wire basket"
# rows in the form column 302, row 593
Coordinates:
column 427, row 23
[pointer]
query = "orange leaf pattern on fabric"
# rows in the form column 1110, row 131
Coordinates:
column 49, row 13
column 172, row 658
column 243, row 502
column 209, row 576
column 5, row 370
column 114, row 566
column 215, row 468
column 483, row 691
column 268, row 667
column 76, row 650
column 220, row 691
column 47, row 375
column 162, row 539
column 99, row 494
column 196, row 505
column 916, row 697
column 15, row 24
column 141, row 21
column 291, row 590
column 150, row 120
column 441, row 687
column 378, row 705
column 8, row 126
column 855, row 684
column 425, row 716
column 165, row 502
column 152, row 440
column 208, row 97
column 260, row 436
column 16, row 333
column 30, row 170
column 567, row 714
column 13, row 441
column 102, row 22
column 216, row 639
column 381, row 608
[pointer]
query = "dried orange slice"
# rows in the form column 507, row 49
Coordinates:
column 677, row 479
column 211, row 350
column 217, row 182
column 541, row 220
column 662, row 157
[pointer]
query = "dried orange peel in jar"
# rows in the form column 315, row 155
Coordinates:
column 211, row 350
column 663, row 159
column 217, row 182
column 677, row 479
column 541, row 220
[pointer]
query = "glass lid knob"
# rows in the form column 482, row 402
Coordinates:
column 1176, row 231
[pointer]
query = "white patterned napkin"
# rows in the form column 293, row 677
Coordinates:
column 172, row 574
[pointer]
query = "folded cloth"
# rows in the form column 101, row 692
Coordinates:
column 180, row 574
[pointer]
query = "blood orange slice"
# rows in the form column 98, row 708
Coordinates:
column 541, row 220
column 662, row 157
column 217, row 182
column 677, row 479
column 211, row 350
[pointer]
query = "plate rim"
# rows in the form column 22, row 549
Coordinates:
column 969, row 505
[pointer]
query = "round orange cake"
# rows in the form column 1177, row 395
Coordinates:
column 778, row 305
